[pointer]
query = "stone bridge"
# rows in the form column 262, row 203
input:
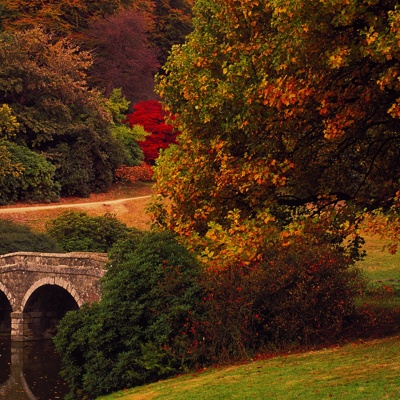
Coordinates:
column 37, row 289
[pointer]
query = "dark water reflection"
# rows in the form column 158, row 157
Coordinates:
column 30, row 371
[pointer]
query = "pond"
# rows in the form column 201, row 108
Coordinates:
column 30, row 371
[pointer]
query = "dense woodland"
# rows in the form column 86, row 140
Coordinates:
column 281, row 150
column 70, row 75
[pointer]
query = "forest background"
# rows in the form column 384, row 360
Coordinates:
column 70, row 75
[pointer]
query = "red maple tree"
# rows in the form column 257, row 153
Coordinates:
column 151, row 116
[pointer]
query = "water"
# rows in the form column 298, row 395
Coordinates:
column 29, row 371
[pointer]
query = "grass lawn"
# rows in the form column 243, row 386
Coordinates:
column 381, row 267
column 361, row 370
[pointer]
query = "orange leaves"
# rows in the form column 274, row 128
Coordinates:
column 338, row 58
column 284, row 92
column 394, row 110
column 389, row 79
column 283, row 107
column 245, row 174
column 371, row 37
column 142, row 173
column 236, row 239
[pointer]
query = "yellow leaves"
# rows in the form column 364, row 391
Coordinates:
column 8, row 121
column 339, row 57
column 371, row 37
column 283, row 10
column 237, row 239
column 336, row 60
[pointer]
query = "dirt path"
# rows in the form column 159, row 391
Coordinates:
column 128, row 203
column 10, row 210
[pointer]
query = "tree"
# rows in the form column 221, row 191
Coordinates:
column 8, row 126
column 24, row 175
column 123, row 56
column 162, row 23
column 127, row 136
column 60, row 17
column 44, row 82
column 150, row 115
column 288, row 113
column 172, row 24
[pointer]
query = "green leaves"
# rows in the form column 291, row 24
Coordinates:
column 143, row 327
column 17, row 237
column 77, row 231
column 43, row 82
column 30, row 179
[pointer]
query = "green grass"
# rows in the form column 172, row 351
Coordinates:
column 382, row 269
column 368, row 370
column 379, row 265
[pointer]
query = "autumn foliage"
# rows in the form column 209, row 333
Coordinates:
column 142, row 173
column 124, row 57
column 151, row 116
column 289, row 118
column 286, row 112
column 302, row 293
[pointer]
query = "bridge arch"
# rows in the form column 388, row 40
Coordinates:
column 6, row 308
column 54, row 281
column 7, row 293
column 46, row 285
column 45, row 304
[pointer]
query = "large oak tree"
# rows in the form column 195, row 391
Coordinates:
column 289, row 113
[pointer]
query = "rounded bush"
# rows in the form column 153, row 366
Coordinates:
column 77, row 231
column 35, row 181
column 143, row 328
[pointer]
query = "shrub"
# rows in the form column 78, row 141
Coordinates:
column 300, row 294
column 132, row 155
column 142, row 330
column 143, row 173
column 35, row 180
column 77, row 231
column 83, row 167
column 17, row 237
